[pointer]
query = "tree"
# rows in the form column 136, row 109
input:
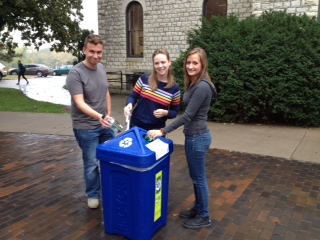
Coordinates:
column 266, row 68
column 41, row 21
column 5, row 56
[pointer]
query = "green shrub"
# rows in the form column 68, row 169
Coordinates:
column 266, row 68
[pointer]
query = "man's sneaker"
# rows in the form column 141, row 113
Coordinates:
column 18, row 84
column 189, row 213
column 198, row 222
column 93, row 203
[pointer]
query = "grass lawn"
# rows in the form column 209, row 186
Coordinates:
column 15, row 77
column 13, row 100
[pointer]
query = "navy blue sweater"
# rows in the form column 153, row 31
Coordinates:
column 145, row 102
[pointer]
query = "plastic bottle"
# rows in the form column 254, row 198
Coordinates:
column 116, row 126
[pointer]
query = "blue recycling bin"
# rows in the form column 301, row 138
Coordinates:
column 135, row 183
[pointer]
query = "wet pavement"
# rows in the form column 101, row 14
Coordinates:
column 47, row 89
column 288, row 142
column 252, row 196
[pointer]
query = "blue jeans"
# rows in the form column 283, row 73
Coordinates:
column 196, row 147
column 88, row 141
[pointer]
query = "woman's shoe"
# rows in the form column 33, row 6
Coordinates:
column 189, row 213
column 198, row 222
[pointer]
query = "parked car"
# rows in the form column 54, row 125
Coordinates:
column 34, row 69
column 64, row 69
column 3, row 71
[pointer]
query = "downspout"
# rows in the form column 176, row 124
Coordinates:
column 318, row 11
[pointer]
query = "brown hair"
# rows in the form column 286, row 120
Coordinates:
column 204, row 72
column 153, row 81
column 93, row 39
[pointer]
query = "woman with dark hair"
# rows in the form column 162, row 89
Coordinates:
column 198, row 94
column 155, row 97
column 21, row 70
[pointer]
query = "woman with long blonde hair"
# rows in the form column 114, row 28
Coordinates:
column 155, row 97
column 197, row 98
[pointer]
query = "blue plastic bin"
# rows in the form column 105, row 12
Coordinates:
column 135, row 184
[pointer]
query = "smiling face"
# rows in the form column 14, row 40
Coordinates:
column 161, row 65
column 193, row 66
column 93, row 54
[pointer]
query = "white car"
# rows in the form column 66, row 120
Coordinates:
column 3, row 71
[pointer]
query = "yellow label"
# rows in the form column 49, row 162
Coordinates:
column 158, row 196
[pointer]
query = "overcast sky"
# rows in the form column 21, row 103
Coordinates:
column 90, row 19
column 90, row 12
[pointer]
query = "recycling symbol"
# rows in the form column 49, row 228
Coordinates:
column 158, row 184
column 125, row 143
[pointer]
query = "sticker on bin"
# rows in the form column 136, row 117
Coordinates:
column 159, row 147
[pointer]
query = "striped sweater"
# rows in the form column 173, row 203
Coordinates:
column 147, row 101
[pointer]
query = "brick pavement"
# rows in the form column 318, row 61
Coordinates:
column 252, row 196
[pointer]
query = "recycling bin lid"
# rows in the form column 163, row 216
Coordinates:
column 132, row 149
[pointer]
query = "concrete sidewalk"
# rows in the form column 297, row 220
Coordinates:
column 294, row 143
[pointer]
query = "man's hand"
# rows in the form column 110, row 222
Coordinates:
column 106, row 122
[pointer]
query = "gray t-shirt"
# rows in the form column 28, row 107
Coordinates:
column 197, row 100
column 93, row 84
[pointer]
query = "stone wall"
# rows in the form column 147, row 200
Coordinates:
column 310, row 7
column 166, row 23
column 240, row 8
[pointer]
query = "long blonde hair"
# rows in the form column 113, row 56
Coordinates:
column 204, row 72
column 153, row 81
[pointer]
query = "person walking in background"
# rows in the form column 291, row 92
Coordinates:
column 90, row 111
column 155, row 97
column 21, row 70
column 199, row 91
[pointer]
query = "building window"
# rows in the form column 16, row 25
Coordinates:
column 214, row 8
column 134, row 30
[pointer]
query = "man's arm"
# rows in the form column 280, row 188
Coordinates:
column 108, row 103
column 86, row 109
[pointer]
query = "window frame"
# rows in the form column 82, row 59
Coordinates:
column 216, row 3
column 132, row 33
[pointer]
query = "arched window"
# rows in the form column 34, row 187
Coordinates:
column 214, row 8
column 134, row 30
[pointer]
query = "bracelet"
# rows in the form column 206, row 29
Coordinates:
column 103, row 116
column 162, row 132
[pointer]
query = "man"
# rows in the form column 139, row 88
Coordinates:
column 90, row 111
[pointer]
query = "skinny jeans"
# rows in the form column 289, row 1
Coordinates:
column 196, row 147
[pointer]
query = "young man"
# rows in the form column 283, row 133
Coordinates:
column 90, row 111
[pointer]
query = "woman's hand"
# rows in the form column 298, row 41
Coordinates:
column 160, row 113
column 154, row 133
column 127, row 110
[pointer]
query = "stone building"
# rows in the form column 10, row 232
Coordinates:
column 134, row 29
